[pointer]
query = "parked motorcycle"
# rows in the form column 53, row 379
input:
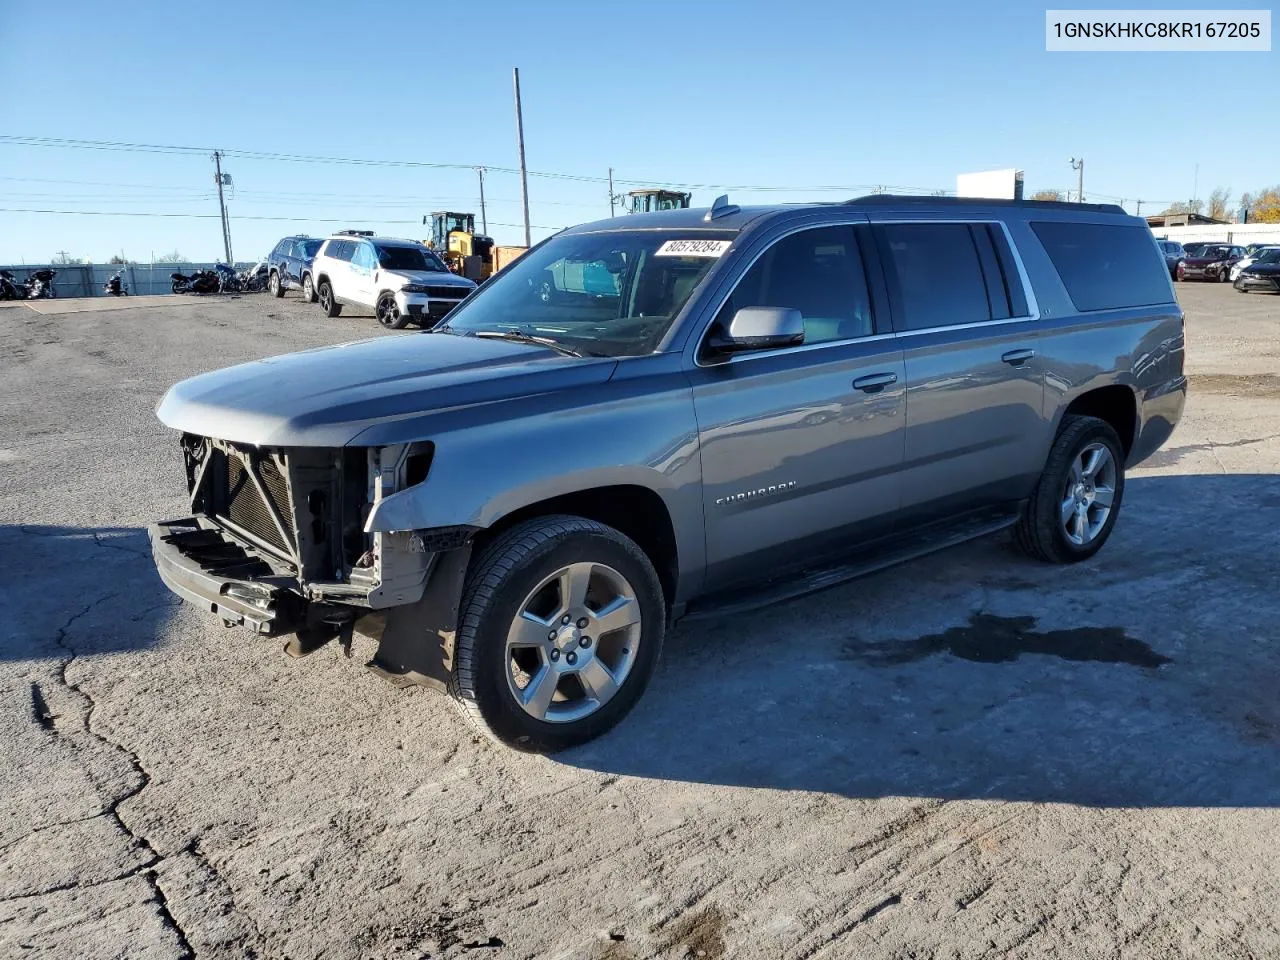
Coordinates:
column 40, row 284
column 9, row 289
column 228, row 278
column 115, row 287
column 254, row 279
column 202, row 281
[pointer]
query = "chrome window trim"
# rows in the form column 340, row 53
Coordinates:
column 1033, row 304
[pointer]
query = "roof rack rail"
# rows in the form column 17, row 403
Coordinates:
column 883, row 199
column 355, row 233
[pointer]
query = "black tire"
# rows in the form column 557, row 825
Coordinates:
column 1039, row 531
column 328, row 303
column 500, row 578
column 274, row 284
column 176, row 287
column 388, row 312
column 308, row 289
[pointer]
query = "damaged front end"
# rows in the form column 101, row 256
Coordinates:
column 277, row 539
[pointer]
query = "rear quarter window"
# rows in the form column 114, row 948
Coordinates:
column 1105, row 266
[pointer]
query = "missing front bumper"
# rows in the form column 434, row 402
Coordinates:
column 206, row 568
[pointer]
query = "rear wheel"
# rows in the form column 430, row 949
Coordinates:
column 274, row 284
column 388, row 312
column 1077, row 499
column 328, row 303
column 560, row 627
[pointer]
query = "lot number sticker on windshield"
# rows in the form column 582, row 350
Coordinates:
column 693, row 248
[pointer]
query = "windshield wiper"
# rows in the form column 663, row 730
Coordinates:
column 519, row 336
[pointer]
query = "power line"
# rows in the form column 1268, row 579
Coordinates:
column 215, row 216
column 376, row 162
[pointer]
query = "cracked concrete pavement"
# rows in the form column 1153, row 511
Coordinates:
column 968, row 756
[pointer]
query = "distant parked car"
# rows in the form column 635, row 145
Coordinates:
column 1252, row 252
column 1213, row 261
column 1173, row 255
column 1262, row 275
column 290, row 263
column 401, row 281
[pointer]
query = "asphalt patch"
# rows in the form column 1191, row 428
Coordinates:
column 700, row 934
column 1238, row 385
column 987, row 638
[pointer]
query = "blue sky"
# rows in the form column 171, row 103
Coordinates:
column 783, row 95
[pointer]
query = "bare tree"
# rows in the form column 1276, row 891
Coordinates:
column 1219, row 201
column 174, row 257
column 1188, row 206
column 62, row 258
column 1055, row 195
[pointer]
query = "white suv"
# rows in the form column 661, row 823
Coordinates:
column 401, row 281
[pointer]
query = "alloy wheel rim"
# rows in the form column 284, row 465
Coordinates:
column 388, row 312
column 1088, row 496
column 573, row 642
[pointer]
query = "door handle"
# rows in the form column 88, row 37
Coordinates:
column 1016, row 358
column 874, row 382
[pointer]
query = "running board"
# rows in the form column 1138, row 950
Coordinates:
column 870, row 558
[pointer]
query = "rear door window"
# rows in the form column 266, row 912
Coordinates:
column 936, row 276
column 1105, row 266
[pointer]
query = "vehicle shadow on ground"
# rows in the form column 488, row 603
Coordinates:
column 98, row 584
column 1147, row 676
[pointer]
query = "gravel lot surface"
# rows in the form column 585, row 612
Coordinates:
column 970, row 756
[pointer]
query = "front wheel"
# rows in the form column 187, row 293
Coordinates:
column 1077, row 499
column 274, row 284
column 388, row 312
column 328, row 302
column 308, row 290
column 560, row 627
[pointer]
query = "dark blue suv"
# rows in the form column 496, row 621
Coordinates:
column 290, row 263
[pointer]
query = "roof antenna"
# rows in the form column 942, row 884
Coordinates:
column 721, row 208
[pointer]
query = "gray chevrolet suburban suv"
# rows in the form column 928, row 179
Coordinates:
column 671, row 415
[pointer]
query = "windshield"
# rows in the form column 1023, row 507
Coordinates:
column 409, row 258
column 1216, row 253
column 1267, row 255
column 607, row 294
column 309, row 247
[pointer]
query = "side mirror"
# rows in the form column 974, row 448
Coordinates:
column 761, row 328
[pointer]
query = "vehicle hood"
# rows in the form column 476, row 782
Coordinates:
column 1206, row 261
column 434, row 277
column 1269, row 269
column 328, row 396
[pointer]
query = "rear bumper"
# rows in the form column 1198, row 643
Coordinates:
column 216, row 574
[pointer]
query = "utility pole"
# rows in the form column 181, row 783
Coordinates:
column 1139, row 208
column 484, row 221
column 611, row 192
column 1195, row 186
column 524, row 174
column 1078, row 165
column 220, row 178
